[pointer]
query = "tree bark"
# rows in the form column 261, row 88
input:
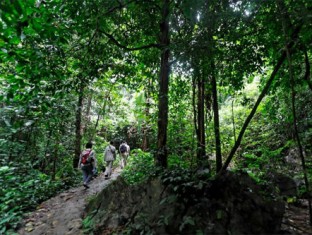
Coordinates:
column 201, row 143
column 215, row 107
column 161, row 155
column 145, row 129
column 78, row 126
column 307, row 69
column 194, row 105
column 87, row 117
column 55, row 159
column 233, row 120
column 106, row 98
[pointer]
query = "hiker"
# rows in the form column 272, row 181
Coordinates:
column 109, row 157
column 124, row 151
column 87, row 163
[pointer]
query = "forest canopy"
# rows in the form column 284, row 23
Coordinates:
column 192, row 84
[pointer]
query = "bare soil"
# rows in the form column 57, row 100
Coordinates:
column 62, row 214
column 296, row 219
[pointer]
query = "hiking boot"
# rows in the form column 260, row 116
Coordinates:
column 106, row 176
column 85, row 185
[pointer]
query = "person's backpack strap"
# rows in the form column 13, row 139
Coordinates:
column 111, row 149
column 89, row 153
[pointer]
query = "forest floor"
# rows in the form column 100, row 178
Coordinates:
column 62, row 214
column 296, row 219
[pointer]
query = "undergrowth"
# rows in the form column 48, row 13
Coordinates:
column 22, row 189
column 140, row 167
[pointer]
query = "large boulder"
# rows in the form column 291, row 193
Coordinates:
column 230, row 204
column 286, row 185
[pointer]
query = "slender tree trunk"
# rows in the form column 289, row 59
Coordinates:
column 215, row 107
column 96, row 124
column 303, row 164
column 208, row 101
column 307, row 69
column 286, row 24
column 87, row 117
column 233, row 121
column 99, row 115
column 201, row 144
column 28, row 141
column 45, row 161
column 261, row 96
column 161, row 155
column 55, row 159
column 78, row 126
column 145, row 141
column 89, row 105
column 194, row 104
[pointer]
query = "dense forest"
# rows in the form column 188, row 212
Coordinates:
column 191, row 85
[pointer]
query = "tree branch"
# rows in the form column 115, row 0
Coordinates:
column 111, row 37
column 118, row 7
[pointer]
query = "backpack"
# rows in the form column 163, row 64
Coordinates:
column 123, row 148
column 85, row 157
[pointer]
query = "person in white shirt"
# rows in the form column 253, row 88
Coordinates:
column 124, row 151
column 109, row 158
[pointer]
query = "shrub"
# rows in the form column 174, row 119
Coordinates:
column 140, row 166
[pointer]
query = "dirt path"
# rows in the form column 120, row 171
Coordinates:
column 62, row 214
column 296, row 219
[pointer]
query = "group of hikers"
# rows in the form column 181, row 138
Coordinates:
column 88, row 163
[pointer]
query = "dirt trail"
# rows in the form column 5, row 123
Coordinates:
column 62, row 214
column 296, row 219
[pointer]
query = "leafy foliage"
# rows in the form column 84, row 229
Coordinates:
column 140, row 167
column 23, row 188
column 107, row 53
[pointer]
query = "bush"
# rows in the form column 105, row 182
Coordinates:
column 140, row 166
column 23, row 188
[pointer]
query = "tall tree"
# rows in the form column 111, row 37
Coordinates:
column 287, row 27
column 164, row 41
column 78, row 124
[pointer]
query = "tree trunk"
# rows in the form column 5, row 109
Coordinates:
column 194, row 104
column 145, row 129
column 215, row 107
column 45, row 162
column 202, row 160
column 55, row 159
column 286, row 24
column 307, row 69
column 99, row 114
column 161, row 155
column 233, row 120
column 303, row 164
column 87, row 118
column 78, row 127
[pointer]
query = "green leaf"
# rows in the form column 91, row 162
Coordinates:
column 4, row 169
column 219, row 214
